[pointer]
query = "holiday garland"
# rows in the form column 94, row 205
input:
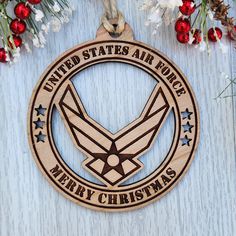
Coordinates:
column 24, row 21
column 194, row 21
column 30, row 21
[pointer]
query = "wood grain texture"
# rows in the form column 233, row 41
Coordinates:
column 203, row 203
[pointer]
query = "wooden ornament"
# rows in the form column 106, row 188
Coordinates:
column 113, row 158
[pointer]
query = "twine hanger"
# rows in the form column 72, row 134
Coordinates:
column 111, row 12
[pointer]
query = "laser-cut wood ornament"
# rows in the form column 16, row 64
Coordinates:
column 113, row 158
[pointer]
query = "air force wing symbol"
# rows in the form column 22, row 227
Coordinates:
column 113, row 158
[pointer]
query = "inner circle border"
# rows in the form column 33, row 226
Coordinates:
column 111, row 59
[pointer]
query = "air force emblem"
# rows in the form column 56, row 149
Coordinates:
column 113, row 158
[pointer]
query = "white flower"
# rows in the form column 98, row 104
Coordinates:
column 38, row 15
column 42, row 39
column 55, row 24
column 7, row 57
column 210, row 14
column 64, row 19
column 154, row 32
column 36, row 42
column 160, row 11
column 46, row 27
column 155, row 16
column 66, row 14
column 16, row 54
column 202, row 46
column 191, row 38
column 208, row 50
column 147, row 4
column 39, row 40
column 56, row 7
column 171, row 4
column 27, row 47
column 168, row 17
column 32, row 30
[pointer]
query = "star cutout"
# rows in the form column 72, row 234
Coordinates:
column 186, row 114
column 40, row 110
column 39, row 123
column 40, row 137
column 185, row 140
column 187, row 127
column 118, row 167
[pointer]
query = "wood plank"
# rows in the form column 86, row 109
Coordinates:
column 203, row 203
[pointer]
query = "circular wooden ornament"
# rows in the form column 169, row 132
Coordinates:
column 113, row 158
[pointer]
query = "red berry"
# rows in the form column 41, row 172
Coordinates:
column 182, row 25
column 18, row 26
column 34, row 2
column 197, row 36
column 211, row 34
column 3, row 55
column 187, row 8
column 22, row 11
column 17, row 41
column 183, row 37
column 230, row 34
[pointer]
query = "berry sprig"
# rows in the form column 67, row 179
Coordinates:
column 221, row 13
column 194, row 21
column 28, row 21
column 18, row 26
column 196, row 32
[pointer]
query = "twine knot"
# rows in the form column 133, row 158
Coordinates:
column 111, row 12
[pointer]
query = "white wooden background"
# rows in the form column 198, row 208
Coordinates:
column 203, row 203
